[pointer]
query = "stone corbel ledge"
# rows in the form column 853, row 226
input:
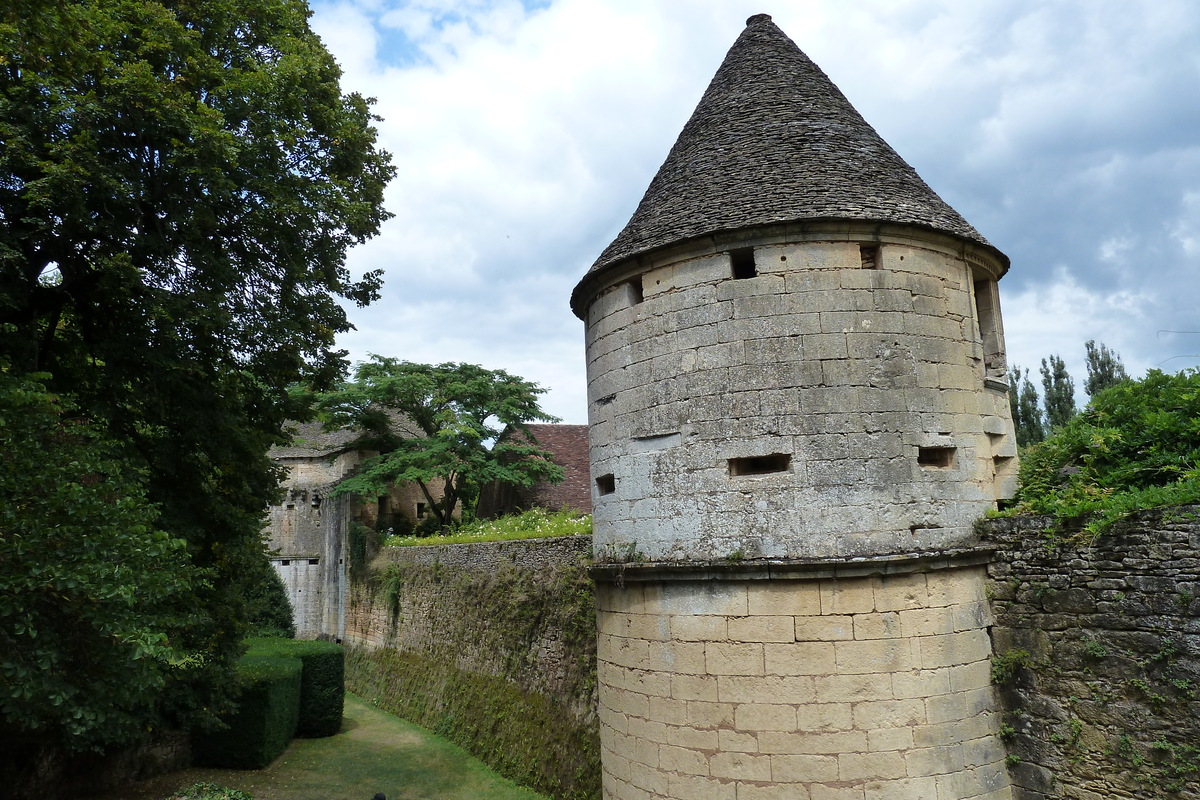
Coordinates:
column 621, row 573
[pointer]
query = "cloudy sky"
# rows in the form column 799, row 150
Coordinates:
column 524, row 134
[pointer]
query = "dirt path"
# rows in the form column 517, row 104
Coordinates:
column 375, row 752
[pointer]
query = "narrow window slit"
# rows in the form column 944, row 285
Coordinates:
column 760, row 465
column 633, row 291
column 939, row 457
column 742, row 262
column 606, row 484
column 869, row 253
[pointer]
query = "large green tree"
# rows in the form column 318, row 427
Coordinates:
column 441, row 427
column 179, row 183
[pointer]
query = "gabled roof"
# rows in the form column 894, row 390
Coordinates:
column 773, row 140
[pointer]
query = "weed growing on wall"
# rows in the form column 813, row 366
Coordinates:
column 537, row 523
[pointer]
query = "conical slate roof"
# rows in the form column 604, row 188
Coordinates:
column 773, row 140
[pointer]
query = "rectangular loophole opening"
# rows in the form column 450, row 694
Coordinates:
column 935, row 457
column 869, row 253
column 633, row 291
column 606, row 484
column 314, row 562
column 742, row 263
column 760, row 465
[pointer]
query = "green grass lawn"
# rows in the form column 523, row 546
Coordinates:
column 375, row 752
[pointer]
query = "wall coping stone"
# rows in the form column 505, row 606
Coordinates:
column 791, row 569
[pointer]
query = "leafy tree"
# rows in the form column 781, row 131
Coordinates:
column 179, row 183
column 1023, row 401
column 1058, row 392
column 433, row 424
column 93, row 596
column 1135, row 446
column 1104, row 368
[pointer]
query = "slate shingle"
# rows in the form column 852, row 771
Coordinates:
column 773, row 140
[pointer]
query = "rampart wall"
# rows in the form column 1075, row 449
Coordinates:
column 1097, row 650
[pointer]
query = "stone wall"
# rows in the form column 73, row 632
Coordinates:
column 822, row 683
column 491, row 645
column 1098, row 652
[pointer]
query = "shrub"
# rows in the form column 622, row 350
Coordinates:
column 268, row 711
column 1136, row 446
column 536, row 523
column 322, row 682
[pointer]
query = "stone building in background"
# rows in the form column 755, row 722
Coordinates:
column 798, row 409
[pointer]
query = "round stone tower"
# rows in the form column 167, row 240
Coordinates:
column 798, row 408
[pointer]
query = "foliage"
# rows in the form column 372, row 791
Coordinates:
column 1104, row 368
column 266, row 718
column 322, row 681
column 1058, row 392
column 209, row 791
column 537, row 523
column 1136, row 446
column 1023, row 402
column 179, row 184
column 1005, row 667
column 268, row 610
column 94, row 598
column 432, row 425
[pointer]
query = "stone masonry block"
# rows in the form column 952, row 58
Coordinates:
column 901, row 592
column 731, row 741
column 884, row 625
column 927, row 621
column 740, row 658
column 701, row 714
column 648, row 730
column 771, row 791
column 971, row 676
column 740, row 766
column 784, row 598
column 803, row 769
column 682, row 759
column 699, row 628
column 821, row 717
column 889, row 739
column 947, row 650
column 684, row 658
column 668, row 710
column 762, row 629
column 648, row 779
column 784, row 743
column 765, row 689
column 692, row 738
column 873, row 655
column 841, row 792
column 960, row 705
column 690, row 787
column 889, row 714
column 934, row 760
column 853, row 688
column 764, row 717
column 824, row 628
column 694, row 687
column 901, row 787
column 921, row 684
column 955, row 587
column 885, row 765
column 724, row 598
column 800, row 658
column 853, row 596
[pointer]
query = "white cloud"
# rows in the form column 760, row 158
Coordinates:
column 524, row 135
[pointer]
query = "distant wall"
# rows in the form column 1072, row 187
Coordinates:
column 492, row 645
column 1097, row 648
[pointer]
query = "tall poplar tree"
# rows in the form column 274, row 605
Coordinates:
column 1058, row 392
column 1104, row 368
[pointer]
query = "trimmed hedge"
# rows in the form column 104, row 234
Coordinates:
column 322, row 683
column 268, row 711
